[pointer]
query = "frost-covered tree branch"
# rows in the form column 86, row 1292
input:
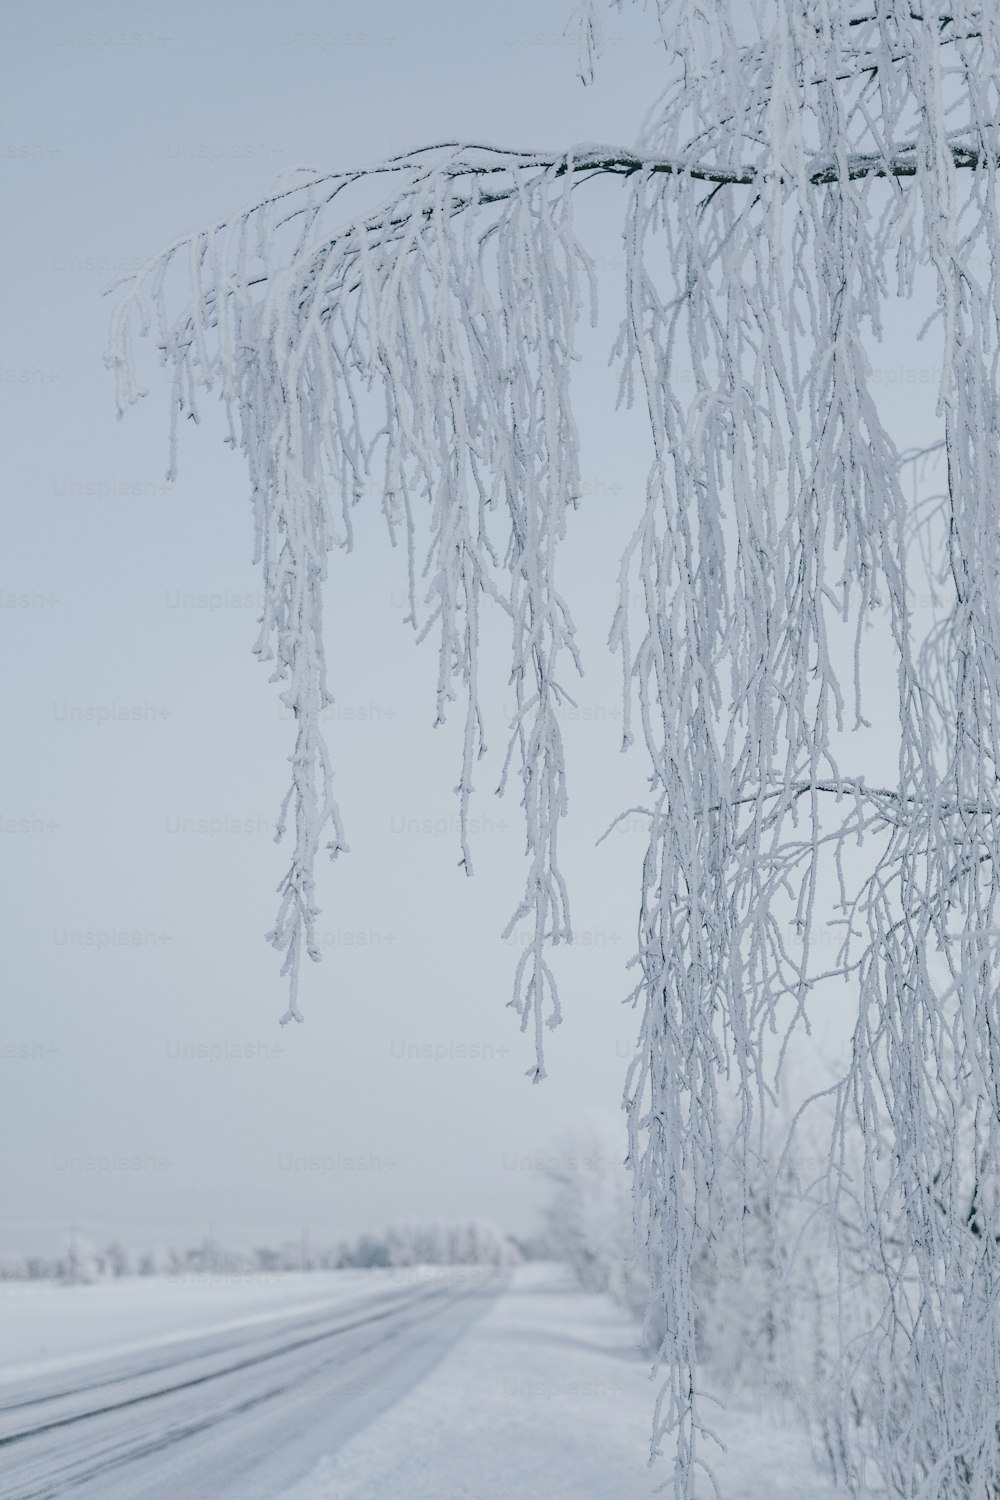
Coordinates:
column 412, row 326
column 463, row 319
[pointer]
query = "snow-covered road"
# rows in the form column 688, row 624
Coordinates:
column 405, row 1384
column 235, row 1413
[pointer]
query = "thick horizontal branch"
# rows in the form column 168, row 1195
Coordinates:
column 484, row 161
column 901, row 163
column 472, row 160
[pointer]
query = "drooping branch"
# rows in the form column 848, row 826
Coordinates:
column 464, row 314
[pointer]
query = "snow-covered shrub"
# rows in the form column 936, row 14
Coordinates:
column 152, row 1262
column 767, row 1296
column 916, row 1365
column 116, row 1260
column 769, row 1308
column 366, row 1252
column 80, row 1263
column 476, row 1242
column 588, row 1217
column 436, row 1243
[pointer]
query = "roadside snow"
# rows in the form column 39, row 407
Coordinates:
column 546, row 1398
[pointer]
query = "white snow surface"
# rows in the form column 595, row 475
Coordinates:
column 547, row 1397
column 45, row 1326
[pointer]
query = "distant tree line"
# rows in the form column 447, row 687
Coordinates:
column 431, row 1242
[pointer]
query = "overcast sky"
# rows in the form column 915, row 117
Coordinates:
column 147, row 1088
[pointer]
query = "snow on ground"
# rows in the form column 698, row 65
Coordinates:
column 46, row 1326
column 546, row 1398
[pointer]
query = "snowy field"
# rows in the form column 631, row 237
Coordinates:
column 427, row 1384
column 45, row 1327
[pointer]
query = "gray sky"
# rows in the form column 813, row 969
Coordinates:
column 145, row 754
